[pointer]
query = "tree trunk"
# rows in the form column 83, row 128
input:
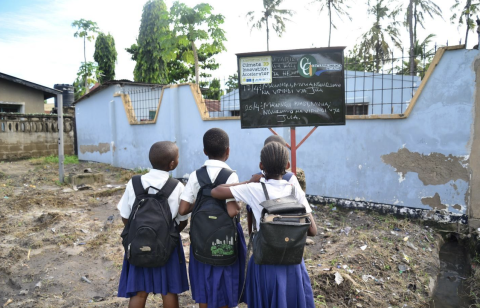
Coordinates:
column 85, row 67
column 330, row 17
column 415, row 22
column 410, row 32
column 268, row 30
column 467, row 20
column 195, row 56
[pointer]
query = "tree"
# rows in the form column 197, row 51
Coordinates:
column 422, row 60
column 189, row 30
column 232, row 82
column 416, row 11
column 106, row 56
column 85, row 30
column 181, row 71
column 153, row 39
column 374, row 41
column 214, row 91
column 471, row 7
column 355, row 62
column 340, row 7
column 88, row 74
column 271, row 12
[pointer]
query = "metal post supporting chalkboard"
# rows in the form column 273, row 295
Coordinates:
column 294, row 146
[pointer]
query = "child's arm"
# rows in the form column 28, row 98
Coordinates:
column 185, row 207
column 249, row 222
column 182, row 225
column 233, row 208
column 223, row 192
column 312, row 231
column 125, row 221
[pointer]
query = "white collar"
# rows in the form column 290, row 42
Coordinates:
column 156, row 172
column 216, row 163
column 274, row 182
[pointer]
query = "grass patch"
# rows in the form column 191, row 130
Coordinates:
column 68, row 160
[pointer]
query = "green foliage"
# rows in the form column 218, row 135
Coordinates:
column 151, row 50
column 180, row 71
column 462, row 14
column 272, row 12
column 214, row 91
column 378, row 40
column 232, row 82
column 106, row 56
column 85, row 29
column 355, row 62
column 87, row 70
column 68, row 159
column 423, row 58
column 197, row 31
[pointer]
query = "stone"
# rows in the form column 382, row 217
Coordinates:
column 310, row 242
column 86, row 178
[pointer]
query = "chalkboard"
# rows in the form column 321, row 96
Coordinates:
column 292, row 88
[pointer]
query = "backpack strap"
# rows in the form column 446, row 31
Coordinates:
column 203, row 177
column 169, row 187
column 265, row 190
column 222, row 177
column 137, row 185
column 287, row 176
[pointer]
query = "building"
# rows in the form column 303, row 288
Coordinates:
column 22, row 96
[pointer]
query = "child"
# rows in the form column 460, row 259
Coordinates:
column 288, row 176
column 272, row 286
column 170, row 279
column 215, row 286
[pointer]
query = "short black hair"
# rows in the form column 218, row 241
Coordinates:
column 274, row 158
column 275, row 138
column 215, row 143
column 162, row 153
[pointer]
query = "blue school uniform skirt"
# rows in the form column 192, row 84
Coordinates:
column 278, row 286
column 219, row 286
column 170, row 278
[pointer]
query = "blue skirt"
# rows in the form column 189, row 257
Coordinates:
column 219, row 286
column 170, row 278
column 278, row 286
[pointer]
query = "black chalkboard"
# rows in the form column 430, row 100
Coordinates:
column 297, row 88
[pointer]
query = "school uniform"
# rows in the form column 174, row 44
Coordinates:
column 170, row 278
column 215, row 285
column 274, row 286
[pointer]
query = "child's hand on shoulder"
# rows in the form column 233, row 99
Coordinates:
column 256, row 178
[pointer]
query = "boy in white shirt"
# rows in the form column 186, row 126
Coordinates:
column 215, row 286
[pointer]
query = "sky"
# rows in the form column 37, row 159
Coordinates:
column 37, row 42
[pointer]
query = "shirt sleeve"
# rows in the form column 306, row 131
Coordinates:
column 179, row 217
column 126, row 202
column 232, row 179
column 293, row 180
column 188, row 193
column 300, row 195
column 242, row 193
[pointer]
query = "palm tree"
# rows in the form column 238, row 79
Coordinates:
column 271, row 12
column 416, row 11
column 421, row 53
column 470, row 8
column 375, row 39
column 340, row 7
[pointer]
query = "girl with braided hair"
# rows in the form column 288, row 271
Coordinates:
column 272, row 286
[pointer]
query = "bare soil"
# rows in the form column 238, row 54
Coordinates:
column 51, row 236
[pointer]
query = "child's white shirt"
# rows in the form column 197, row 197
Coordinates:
column 155, row 178
column 252, row 194
column 213, row 169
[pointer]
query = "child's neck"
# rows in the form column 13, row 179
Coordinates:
column 166, row 170
column 224, row 159
column 273, row 178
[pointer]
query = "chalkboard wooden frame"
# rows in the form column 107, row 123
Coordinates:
column 290, row 106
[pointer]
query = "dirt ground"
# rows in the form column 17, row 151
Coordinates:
column 62, row 248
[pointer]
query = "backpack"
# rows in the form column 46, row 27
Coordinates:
column 213, row 232
column 150, row 236
column 283, row 231
column 287, row 176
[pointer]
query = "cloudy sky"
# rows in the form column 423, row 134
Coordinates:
column 37, row 43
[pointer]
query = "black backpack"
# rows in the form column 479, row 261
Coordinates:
column 283, row 231
column 150, row 236
column 213, row 232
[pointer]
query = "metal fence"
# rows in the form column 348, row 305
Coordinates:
column 373, row 86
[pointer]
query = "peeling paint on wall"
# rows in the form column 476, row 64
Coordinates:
column 434, row 202
column 100, row 148
column 433, row 169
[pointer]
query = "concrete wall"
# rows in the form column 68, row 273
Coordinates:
column 422, row 161
column 12, row 92
column 33, row 136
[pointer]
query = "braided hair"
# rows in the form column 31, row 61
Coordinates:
column 274, row 157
